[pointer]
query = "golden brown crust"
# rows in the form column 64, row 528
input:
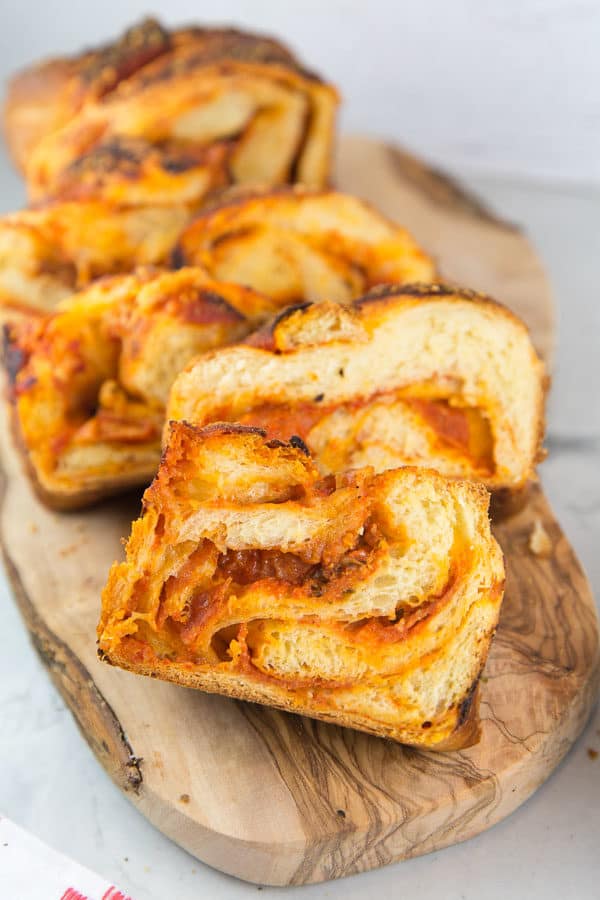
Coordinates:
column 364, row 600
column 174, row 93
column 464, row 735
column 46, row 95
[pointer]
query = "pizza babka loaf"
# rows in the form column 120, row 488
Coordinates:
column 294, row 244
column 361, row 599
column 90, row 382
column 416, row 375
column 160, row 115
column 49, row 252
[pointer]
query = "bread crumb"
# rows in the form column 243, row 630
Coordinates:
column 185, row 798
column 539, row 540
column 593, row 754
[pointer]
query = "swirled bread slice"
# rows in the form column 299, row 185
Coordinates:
column 90, row 382
column 416, row 375
column 365, row 600
column 175, row 114
column 47, row 95
column 49, row 252
column 295, row 245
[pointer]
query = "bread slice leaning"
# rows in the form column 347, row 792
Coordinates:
column 48, row 252
column 295, row 245
column 365, row 600
column 89, row 383
column 425, row 375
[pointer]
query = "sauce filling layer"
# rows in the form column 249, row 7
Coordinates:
column 457, row 428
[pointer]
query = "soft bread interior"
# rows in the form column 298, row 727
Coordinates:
column 47, row 253
column 366, row 599
column 293, row 244
column 420, row 375
column 90, row 382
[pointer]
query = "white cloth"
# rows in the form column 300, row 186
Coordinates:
column 30, row 870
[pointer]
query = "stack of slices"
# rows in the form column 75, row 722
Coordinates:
column 323, row 417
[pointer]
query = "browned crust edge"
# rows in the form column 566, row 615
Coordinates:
column 241, row 687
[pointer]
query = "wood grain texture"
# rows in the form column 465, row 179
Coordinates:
column 274, row 798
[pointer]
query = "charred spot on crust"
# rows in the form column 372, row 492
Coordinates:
column 224, row 428
column 298, row 444
column 420, row 290
column 138, row 46
column 175, row 165
column 209, row 46
column 175, row 159
column 274, row 443
column 263, row 338
column 287, row 312
column 13, row 356
column 178, row 257
column 466, row 703
column 117, row 154
column 127, row 157
column 103, row 656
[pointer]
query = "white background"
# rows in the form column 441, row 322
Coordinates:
column 510, row 86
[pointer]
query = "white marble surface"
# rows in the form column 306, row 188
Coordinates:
column 51, row 784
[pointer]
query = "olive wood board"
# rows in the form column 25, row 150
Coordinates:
column 274, row 798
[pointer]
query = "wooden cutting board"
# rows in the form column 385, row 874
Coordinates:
column 274, row 798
